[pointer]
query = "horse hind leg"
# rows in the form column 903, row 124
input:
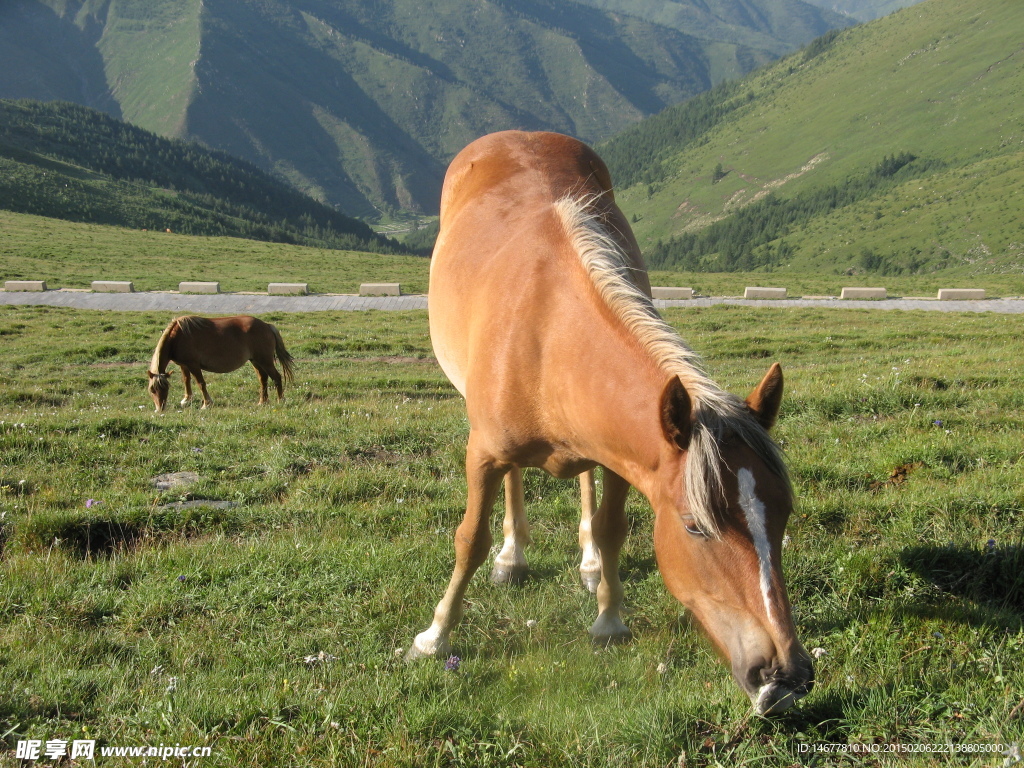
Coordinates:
column 262, row 375
column 472, row 546
column 510, row 564
column 590, row 561
column 207, row 400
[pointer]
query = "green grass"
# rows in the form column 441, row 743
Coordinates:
column 347, row 496
column 71, row 255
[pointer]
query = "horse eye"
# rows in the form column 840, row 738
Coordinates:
column 693, row 529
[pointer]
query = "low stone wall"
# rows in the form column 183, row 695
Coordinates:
column 863, row 293
column 754, row 292
column 113, row 286
column 288, row 289
column 380, row 289
column 25, row 285
column 193, row 287
column 961, row 294
column 663, row 292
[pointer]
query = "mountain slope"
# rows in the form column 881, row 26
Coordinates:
column 852, row 154
column 864, row 10
column 363, row 104
column 70, row 162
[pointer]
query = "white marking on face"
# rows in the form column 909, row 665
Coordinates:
column 753, row 509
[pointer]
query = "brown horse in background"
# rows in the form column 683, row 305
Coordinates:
column 540, row 316
column 218, row 345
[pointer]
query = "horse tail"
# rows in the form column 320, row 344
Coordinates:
column 283, row 356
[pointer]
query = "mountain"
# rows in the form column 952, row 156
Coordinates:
column 362, row 104
column 895, row 146
column 66, row 161
column 863, row 10
column 775, row 27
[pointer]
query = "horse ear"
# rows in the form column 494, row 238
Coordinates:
column 766, row 398
column 675, row 413
column 151, row 374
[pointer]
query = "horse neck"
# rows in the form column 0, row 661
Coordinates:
column 616, row 402
column 162, row 353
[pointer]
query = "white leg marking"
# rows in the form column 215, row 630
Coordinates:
column 753, row 509
column 590, row 563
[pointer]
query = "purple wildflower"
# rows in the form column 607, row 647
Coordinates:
column 92, row 503
column 182, row 577
column 452, row 665
column 937, row 423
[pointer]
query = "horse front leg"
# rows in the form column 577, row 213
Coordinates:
column 472, row 545
column 590, row 562
column 510, row 564
column 186, row 379
column 609, row 528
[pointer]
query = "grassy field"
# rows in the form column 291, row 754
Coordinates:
column 270, row 630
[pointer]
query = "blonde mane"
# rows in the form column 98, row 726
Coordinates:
column 187, row 324
column 716, row 413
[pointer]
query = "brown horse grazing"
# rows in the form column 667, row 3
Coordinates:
column 540, row 316
column 218, row 345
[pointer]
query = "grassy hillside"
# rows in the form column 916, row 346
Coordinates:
column 71, row 255
column 363, row 104
column 70, row 162
column 864, row 10
column 891, row 147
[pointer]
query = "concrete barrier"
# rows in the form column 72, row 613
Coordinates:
column 662, row 292
column 863, row 293
column 198, row 287
column 380, row 289
column 288, row 289
column 764, row 293
column 961, row 294
column 113, row 286
column 25, row 285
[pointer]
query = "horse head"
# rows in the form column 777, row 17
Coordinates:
column 720, row 553
column 159, row 386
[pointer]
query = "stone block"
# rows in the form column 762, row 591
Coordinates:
column 25, row 285
column 764, row 293
column 863, row 293
column 662, row 292
column 380, row 289
column 961, row 294
column 288, row 289
column 113, row 286
column 198, row 287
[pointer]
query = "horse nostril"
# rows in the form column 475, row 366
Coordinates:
column 769, row 674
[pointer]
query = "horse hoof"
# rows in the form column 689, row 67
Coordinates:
column 513, row 575
column 427, row 645
column 609, row 630
column 590, row 581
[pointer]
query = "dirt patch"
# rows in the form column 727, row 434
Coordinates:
column 897, row 477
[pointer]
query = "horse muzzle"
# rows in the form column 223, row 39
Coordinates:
column 775, row 698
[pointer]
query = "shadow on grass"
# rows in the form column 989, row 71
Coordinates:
column 992, row 577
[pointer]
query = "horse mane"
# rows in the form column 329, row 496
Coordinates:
column 716, row 413
column 186, row 325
